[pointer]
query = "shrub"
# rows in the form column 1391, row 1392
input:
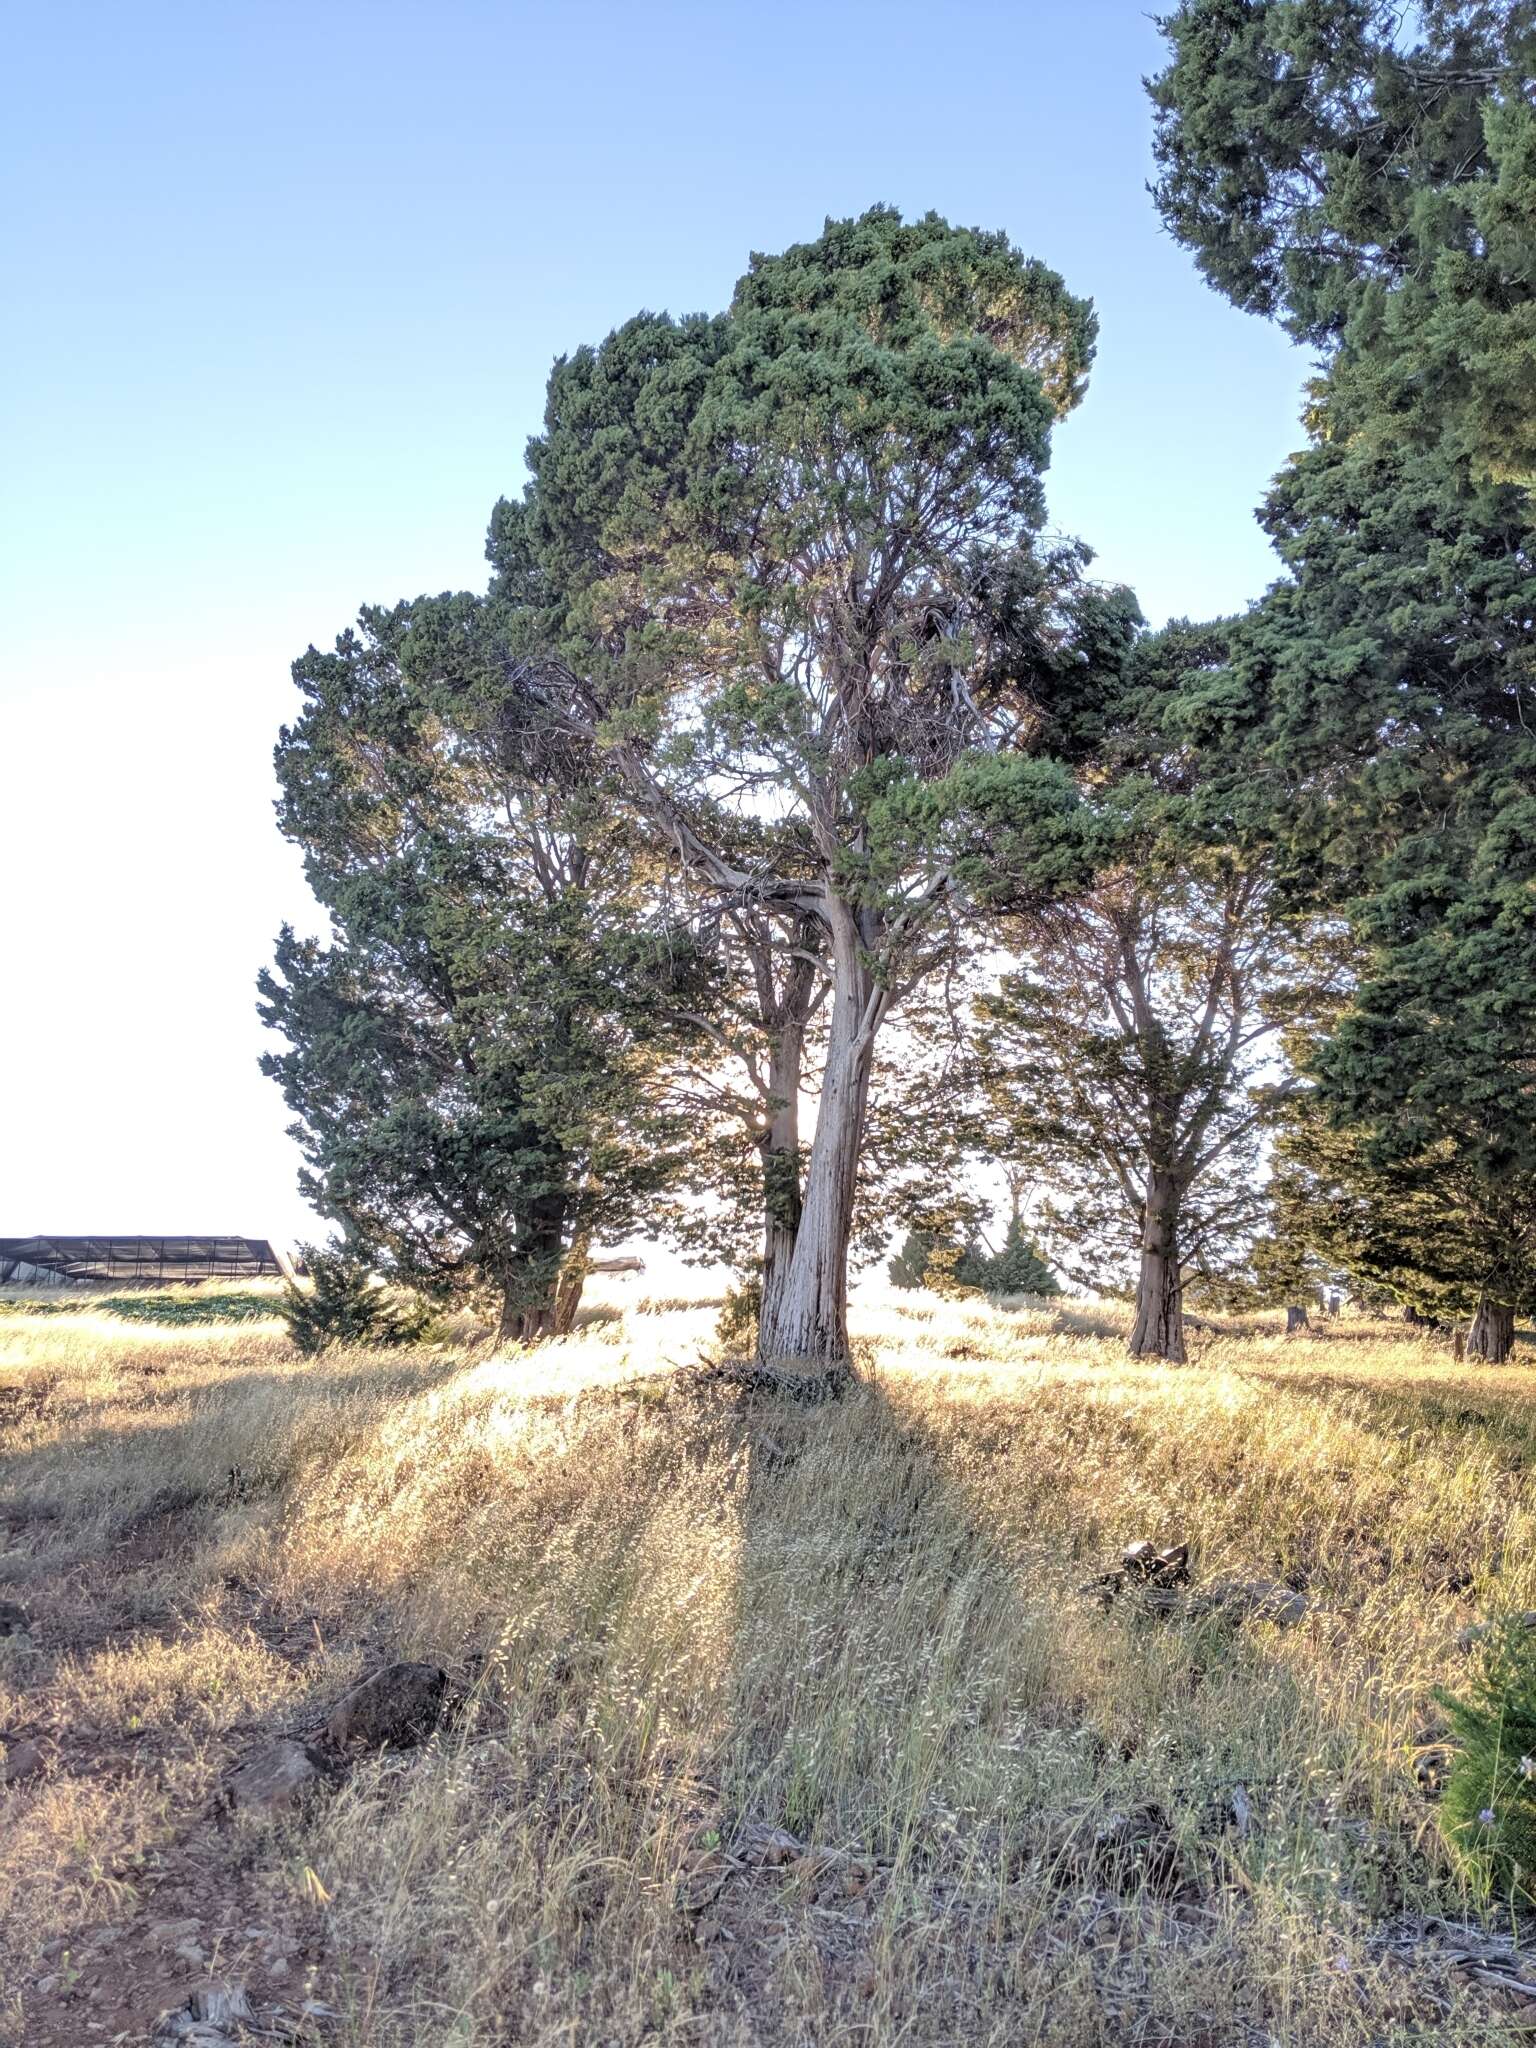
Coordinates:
column 1018, row 1268
column 345, row 1303
column 910, row 1264
column 937, row 1261
column 1488, row 1814
column 929, row 1260
column 736, row 1324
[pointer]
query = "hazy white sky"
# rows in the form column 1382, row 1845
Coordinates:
column 285, row 283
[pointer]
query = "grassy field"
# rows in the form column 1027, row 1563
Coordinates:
column 769, row 1726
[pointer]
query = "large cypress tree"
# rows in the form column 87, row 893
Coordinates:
column 472, row 1053
column 795, row 591
column 1369, row 177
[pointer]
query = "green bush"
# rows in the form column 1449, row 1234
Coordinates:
column 909, row 1266
column 736, row 1324
column 1018, row 1268
column 1488, row 1813
column 162, row 1305
column 931, row 1259
column 344, row 1303
column 927, row 1259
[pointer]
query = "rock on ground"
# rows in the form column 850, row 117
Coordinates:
column 22, row 1760
column 393, row 1708
column 215, row 2016
column 275, row 1779
column 1252, row 1600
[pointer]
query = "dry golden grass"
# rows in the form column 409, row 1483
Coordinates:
column 682, row 1620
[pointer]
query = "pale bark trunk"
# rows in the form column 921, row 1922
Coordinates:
column 803, row 1334
column 1492, row 1335
column 1296, row 1319
column 1158, row 1331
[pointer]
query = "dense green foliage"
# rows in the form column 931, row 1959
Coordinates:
column 1394, row 678
column 783, row 717
column 927, row 1258
column 341, row 1302
column 169, row 1305
column 1016, row 1267
column 1416, row 1231
column 471, row 1057
column 1367, row 175
column 1370, row 178
column 1488, row 1813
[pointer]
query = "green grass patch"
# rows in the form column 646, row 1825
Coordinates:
column 156, row 1307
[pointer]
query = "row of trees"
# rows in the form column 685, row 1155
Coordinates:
column 785, row 756
column 1368, row 178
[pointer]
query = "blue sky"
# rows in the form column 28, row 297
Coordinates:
column 284, row 286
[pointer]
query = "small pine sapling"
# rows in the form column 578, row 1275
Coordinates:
column 1488, row 1814
column 736, row 1324
column 345, row 1304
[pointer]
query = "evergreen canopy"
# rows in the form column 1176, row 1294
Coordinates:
column 786, row 569
column 471, row 1057
column 1370, row 178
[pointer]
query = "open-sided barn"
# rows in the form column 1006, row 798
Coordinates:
column 51, row 1261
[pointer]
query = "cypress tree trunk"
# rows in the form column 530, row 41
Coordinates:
column 523, row 1321
column 1158, row 1331
column 1296, row 1319
column 572, row 1278
column 530, row 1318
column 779, row 1149
column 803, row 1333
column 541, row 1282
column 1492, row 1335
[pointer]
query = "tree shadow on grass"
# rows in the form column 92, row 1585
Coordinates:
column 863, row 1588
column 1076, row 1318
column 915, row 1790
column 169, row 1449
column 945, row 1739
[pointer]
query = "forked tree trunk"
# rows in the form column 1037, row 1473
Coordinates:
column 1158, row 1330
column 779, row 1150
column 1296, row 1319
column 523, row 1321
column 803, row 1333
column 568, row 1287
column 1492, row 1335
column 541, row 1292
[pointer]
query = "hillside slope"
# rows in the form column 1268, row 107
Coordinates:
column 762, row 1725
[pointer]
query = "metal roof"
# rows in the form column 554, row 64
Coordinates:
column 132, row 1257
